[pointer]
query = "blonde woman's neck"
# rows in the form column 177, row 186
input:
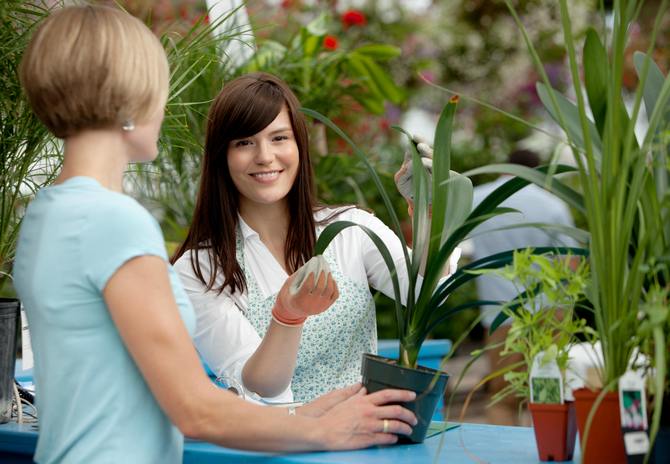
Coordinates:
column 99, row 154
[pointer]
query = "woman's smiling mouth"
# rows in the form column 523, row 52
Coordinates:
column 266, row 176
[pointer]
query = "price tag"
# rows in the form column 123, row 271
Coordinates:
column 633, row 409
column 546, row 382
column 26, row 348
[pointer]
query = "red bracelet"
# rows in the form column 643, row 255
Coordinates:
column 283, row 320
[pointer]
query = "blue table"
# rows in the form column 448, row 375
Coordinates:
column 466, row 444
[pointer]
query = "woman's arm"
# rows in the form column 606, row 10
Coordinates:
column 141, row 304
column 231, row 346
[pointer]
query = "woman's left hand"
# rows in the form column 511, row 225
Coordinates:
column 324, row 403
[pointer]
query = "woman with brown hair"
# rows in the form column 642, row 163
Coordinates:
column 255, row 222
column 116, row 374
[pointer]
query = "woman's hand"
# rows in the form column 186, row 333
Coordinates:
column 324, row 403
column 403, row 178
column 309, row 291
column 360, row 420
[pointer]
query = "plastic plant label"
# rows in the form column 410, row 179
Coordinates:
column 632, row 401
column 546, row 382
column 633, row 409
column 636, row 442
column 26, row 349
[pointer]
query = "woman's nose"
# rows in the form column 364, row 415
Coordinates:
column 264, row 153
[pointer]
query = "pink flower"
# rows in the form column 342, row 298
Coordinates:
column 330, row 42
column 353, row 18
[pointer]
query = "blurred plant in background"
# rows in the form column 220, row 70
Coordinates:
column 29, row 154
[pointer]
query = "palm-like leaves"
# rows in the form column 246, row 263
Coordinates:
column 29, row 155
column 453, row 219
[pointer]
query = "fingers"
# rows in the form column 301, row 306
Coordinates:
column 343, row 394
column 331, row 292
column 391, row 396
column 321, row 284
column 387, row 426
column 397, row 413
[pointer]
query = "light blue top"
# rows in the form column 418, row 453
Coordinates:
column 93, row 403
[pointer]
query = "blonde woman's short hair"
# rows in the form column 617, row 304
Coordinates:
column 91, row 67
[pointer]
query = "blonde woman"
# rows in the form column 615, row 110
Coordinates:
column 117, row 377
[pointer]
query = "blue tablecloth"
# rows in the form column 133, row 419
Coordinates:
column 466, row 444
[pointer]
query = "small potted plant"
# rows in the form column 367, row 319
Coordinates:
column 543, row 330
column 436, row 236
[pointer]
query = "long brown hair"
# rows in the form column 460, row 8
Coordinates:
column 244, row 107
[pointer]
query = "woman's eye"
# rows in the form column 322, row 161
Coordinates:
column 280, row 138
column 242, row 143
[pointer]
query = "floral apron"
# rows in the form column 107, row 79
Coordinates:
column 332, row 342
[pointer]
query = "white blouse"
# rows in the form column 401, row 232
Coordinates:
column 226, row 339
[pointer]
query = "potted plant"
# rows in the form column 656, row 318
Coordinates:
column 435, row 238
column 543, row 329
column 623, row 186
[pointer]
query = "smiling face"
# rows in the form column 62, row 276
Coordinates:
column 264, row 166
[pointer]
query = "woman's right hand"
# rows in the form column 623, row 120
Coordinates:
column 359, row 420
column 312, row 295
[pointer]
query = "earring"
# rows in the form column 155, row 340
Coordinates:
column 128, row 125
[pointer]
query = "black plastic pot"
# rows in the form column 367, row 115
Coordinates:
column 429, row 384
column 9, row 322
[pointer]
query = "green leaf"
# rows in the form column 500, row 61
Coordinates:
column 318, row 26
column 331, row 231
column 378, row 78
column 358, row 69
column 570, row 113
column 652, row 86
column 420, row 223
column 536, row 176
column 595, row 77
column 372, row 103
column 378, row 52
column 459, row 201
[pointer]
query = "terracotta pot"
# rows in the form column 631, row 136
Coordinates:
column 605, row 440
column 429, row 384
column 555, row 428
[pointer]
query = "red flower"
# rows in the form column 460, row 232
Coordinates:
column 353, row 18
column 287, row 3
column 330, row 42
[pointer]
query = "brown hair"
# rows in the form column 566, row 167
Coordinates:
column 89, row 67
column 243, row 108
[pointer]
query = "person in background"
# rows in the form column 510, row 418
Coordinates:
column 255, row 222
column 116, row 373
column 536, row 205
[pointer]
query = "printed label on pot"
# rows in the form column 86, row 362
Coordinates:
column 633, row 409
column 546, row 382
column 636, row 442
column 26, row 348
column 632, row 401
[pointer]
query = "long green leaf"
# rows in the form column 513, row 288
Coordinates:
column 538, row 177
column 596, row 77
column 331, row 231
column 569, row 114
